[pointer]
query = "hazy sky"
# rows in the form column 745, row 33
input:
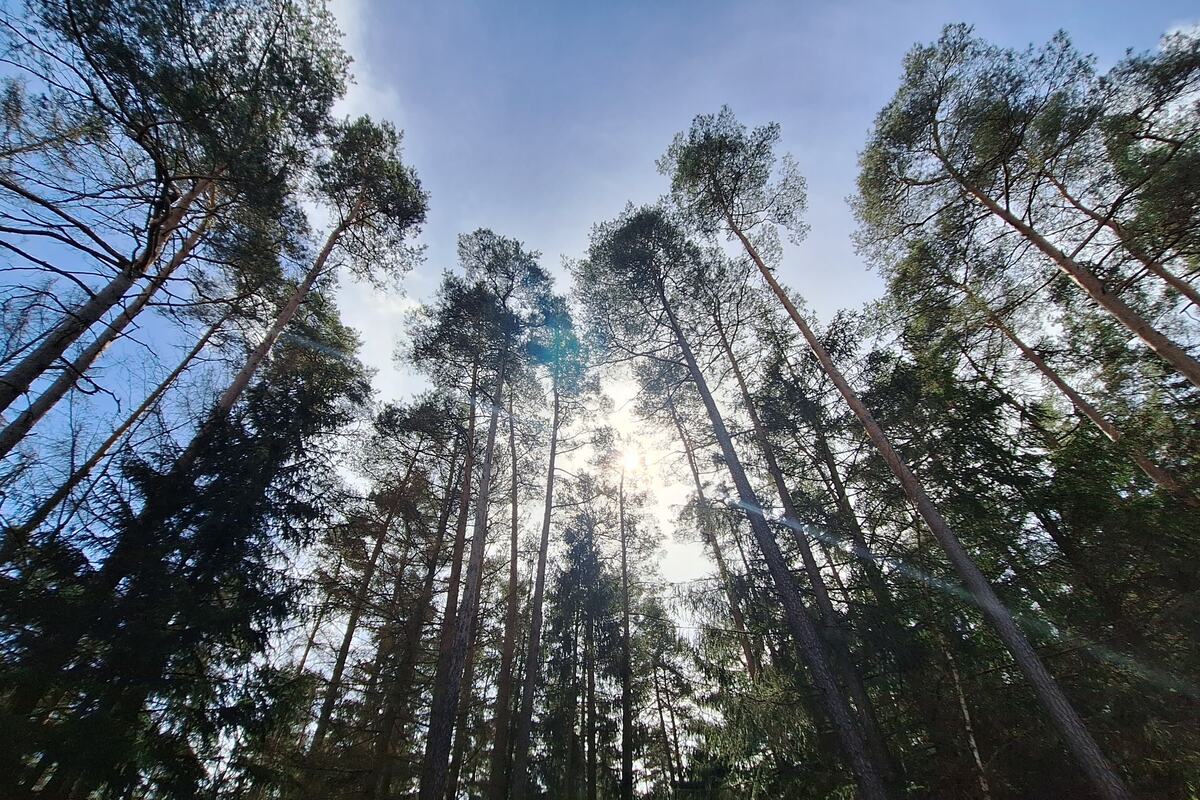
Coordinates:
column 539, row 119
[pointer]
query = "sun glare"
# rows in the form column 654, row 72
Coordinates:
column 632, row 458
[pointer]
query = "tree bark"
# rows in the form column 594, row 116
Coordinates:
column 498, row 782
column 533, row 653
column 356, row 609
column 396, row 719
column 834, row 624
column 1170, row 352
column 434, row 763
column 18, row 380
column 15, row 431
column 1081, row 405
column 1087, row 753
column 710, row 536
column 626, row 654
column 867, row 774
column 47, row 506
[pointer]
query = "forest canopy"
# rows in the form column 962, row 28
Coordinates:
column 947, row 539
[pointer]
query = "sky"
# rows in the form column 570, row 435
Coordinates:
column 540, row 119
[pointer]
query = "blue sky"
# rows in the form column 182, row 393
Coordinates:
column 538, row 119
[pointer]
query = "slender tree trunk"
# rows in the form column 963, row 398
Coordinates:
column 869, row 561
column 704, row 514
column 1170, row 352
column 1152, row 264
column 626, row 654
column 1114, row 435
column 15, row 431
column 662, row 729
column 356, row 609
column 835, row 633
column 968, row 728
column 18, row 380
column 498, row 782
column 434, row 773
column 461, row 734
column 453, row 583
column 589, row 658
column 666, row 691
column 240, row 381
column 533, row 653
column 396, row 719
column 867, row 773
column 43, row 511
column 1087, row 753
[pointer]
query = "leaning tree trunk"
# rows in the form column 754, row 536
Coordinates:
column 15, row 431
column 16, row 535
column 533, row 653
column 867, row 773
column 18, row 380
column 498, row 781
column 356, row 608
column 1109, row 220
column 1110, row 431
column 834, row 623
column 710, row 536
column 435, row 761
column 1085, row 279
column 1087, row 753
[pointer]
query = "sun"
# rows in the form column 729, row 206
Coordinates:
column 632, row 458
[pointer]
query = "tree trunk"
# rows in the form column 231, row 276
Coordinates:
column 710, row 536
column 434, row 763
column 589, row 658
column 453, row 583
column 835, row 634
column 15, row 431
column 1151, row 264
column 52, row 502
column 533, row 654
column 464, row 710
column 1172, row 353
column 1087, row 753
column 498, row 782
column 626, row 655
column 18, row 380
column 867, row 773
column 1082, row 406
column 396, row 719
column 356, row 609
column 672, row 775
column 968, row 728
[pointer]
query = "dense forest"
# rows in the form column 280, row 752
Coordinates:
column 951, row 535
